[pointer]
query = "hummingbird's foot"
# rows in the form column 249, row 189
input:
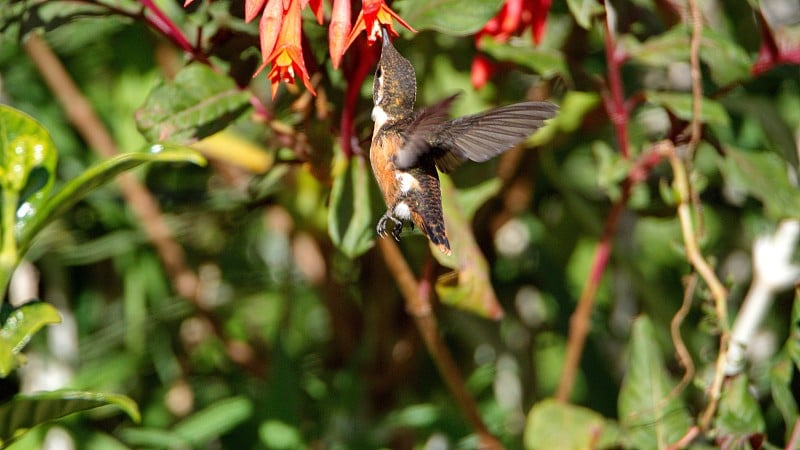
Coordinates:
column 396, row 228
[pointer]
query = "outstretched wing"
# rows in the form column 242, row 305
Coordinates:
column 476, row 137
column 420, row 130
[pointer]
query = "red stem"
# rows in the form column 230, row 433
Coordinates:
column 164, row 25
column 355, row 76
column 615, row 105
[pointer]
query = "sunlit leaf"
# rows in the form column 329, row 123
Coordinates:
column 739, row 415
column 659, row 50
column 25, row 411
column 455, row 17
column 648, row 415
column 469, row 286
column 555, row 425
column 18, row 328
column 350, row 218
column 726, row 60
column 763, row 175
column 680, row 104
column 197, row 103
column 97, row 175
column 277, row 434
column 27, row 160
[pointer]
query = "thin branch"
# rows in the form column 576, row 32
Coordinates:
column 697, row 77
column 684, row 356
column 696, row 259
column 417, row 296
column 686, row 439
column 81, row 114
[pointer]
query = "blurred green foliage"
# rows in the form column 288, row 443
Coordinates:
column 297, row 335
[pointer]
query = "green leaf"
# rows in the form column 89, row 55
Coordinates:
column 469, row 286
column 350, row 223
column 18, row 328
column 763, row 175
column 727, row 62
column 739, row 416
column 215, row 420
column 454, row 17
column 584, row 10
column 680, row 104
column 25, row 411
column 27, row 159
column 780, row 382
column 649, row 416
column 793, row 343
column 659, row 50
column 277, row 434
column 153, row 438
column 546, row 62
column 197, row 103
column 555, row 425
column 94, row 177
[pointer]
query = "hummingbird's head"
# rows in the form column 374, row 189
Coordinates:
column 395, row 87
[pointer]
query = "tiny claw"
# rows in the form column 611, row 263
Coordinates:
column 396, row 228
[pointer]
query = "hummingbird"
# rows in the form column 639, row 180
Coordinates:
column 409, row 146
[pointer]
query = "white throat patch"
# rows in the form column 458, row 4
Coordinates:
column 379, row 117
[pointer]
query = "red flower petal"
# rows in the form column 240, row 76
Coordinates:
column 251, row 9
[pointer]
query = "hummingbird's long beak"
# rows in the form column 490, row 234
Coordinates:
column 386, row 40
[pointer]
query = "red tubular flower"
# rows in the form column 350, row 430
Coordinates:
column 339, row 30
column 513, row 18
column 269, row 28
column 375, row 13
column 287, row 57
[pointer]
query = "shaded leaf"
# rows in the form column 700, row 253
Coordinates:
column 660, row 50
column 27, row 160
column 739, row 415
column 197, row 103
column 277, row 434
column 780, row 377
column 469, row 286
column 546, row 62
column 18, row 328
column 793, row 343
column 584, row 10
column 94, row 177
column 650, row 418
column 215, row 420
column 350, row 223
column 681, row 105
column 25, row 411
column 555, row 425
column 763, row 175
column 153, row 438
column 455, row 17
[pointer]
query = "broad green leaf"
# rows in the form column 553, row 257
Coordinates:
column 763, row 175
column 680, row 104
column 350, row 222
column 555, row 425
column 469, row 286
column 574, row 107
column 215, row 420
column 546, row 62
column 197, row 103
column 739, row 415
column 454, row 17
column 584, row 10
column 649, row 416
column 27, row 160
column 25, row 411
column 94, row 177
column 18, row 328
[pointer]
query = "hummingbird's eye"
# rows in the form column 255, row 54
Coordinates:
column 379, row 72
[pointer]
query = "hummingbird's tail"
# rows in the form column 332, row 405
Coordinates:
column 438, row 237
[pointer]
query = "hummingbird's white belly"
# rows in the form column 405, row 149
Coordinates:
column 406, row 181
column 379, row 117
column 402, row 211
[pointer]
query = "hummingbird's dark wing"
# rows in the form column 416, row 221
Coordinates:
column 419, row 130
column 477, row 137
